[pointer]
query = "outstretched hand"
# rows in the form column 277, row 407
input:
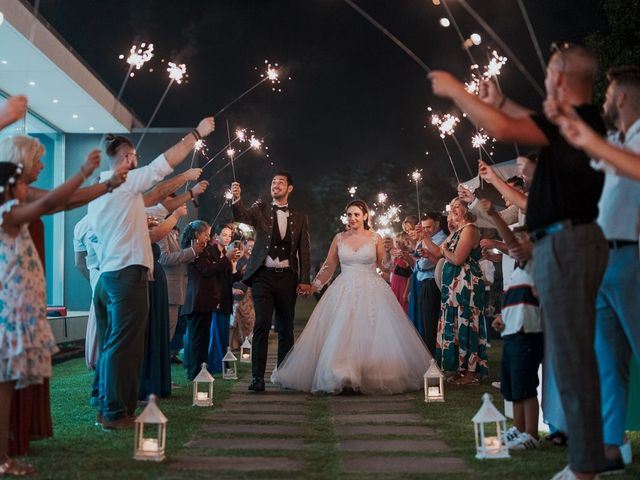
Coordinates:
column 13, row 110
column 465, row 194
column 487, row 173
column 91, row 163
column 444, row 84
column 119, row 175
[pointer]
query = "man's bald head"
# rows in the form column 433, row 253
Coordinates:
column 573, row 69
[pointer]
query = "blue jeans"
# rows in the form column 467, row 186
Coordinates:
column 122, row 314
column 219, row 341
column 617, row 336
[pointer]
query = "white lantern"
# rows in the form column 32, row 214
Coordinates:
column 245, row 351
column 203, row 398
column 152, row 447
column 433, row 384
column 489, row 420
column 229, row 366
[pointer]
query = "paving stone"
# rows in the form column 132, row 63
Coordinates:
column 379, row 418
column 257, row 408
column 265, row 417
column 237, row 463
column 380, row 430
column 249, row 443
column 246, row 428
column 404, row 465
column 369, row 399
column 393, row 446
column 364, row 407
column 266, row 397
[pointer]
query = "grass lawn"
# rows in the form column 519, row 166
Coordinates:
column 80, row 450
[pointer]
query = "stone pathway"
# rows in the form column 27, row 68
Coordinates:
column 286, row 434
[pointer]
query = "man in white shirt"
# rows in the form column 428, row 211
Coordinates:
column 119, row 221
column 618, row 304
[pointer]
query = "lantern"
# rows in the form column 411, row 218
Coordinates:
column 433, row 384
column 229, row 366
column 150, row 448
column 489, row 418
column 245, row 351
column 203, row 398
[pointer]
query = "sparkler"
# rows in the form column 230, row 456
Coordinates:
column 382, row 198
column 532, row 34
column 436, row 121
column 231, row 152
column 460, row 36
column 240, row 137
column 416, row 176
column 503, row 46
column 390, row 35
column 493, row 68
column 352, row 191
column 228, row 196
column 176, row 74
column 272, row 74
column 254, row 144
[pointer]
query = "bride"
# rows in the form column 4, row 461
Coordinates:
column 358, row 337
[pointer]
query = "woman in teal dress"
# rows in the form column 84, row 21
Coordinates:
column 461, row 343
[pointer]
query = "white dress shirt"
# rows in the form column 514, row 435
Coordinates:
column 84, row 240
column 619, row 206
column 119, row 219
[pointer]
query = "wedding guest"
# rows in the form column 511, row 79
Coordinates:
column 120, row 223
column 31, row 410
column 244, row 314
column 401, row 269
column 429, row 294
column 562, row 208
column 225, row 276
column 27, row 340
column 13, row 109
column 411, row 226
column 462, row 338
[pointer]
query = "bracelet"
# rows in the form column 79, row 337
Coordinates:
column 196, row 134
column 108, row 185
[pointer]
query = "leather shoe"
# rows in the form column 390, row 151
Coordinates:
column 257, row 384
column 122, row 423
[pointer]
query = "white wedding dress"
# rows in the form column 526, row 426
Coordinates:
column 358, row 336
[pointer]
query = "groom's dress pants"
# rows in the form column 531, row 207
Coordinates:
column 272, row 291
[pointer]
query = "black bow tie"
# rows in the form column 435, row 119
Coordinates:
column 284, row 209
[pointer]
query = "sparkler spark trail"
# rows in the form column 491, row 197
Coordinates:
column 227, row 199
column 503, row 46
column 391, row 36
column 176, row 73
column 493, row 68
column 254, row 144
column 352, row 191
column 139, row 56
column 272, row 74
column 479, row 139
column 416, row 176
column 382, row 198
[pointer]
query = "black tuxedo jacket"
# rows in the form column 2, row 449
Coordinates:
column 261, row 216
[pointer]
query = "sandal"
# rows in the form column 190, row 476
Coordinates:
column 469, row 379
column 15, row 468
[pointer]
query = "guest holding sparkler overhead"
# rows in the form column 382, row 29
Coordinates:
column 570, row 250
column 121, row 299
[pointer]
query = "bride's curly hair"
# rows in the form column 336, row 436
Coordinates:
column 363, row 207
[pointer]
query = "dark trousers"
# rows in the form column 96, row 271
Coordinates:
column 569, row 267
column 429, row 308
column 177, row 342
column 272, row 291
column 198, row 330
column 121, row 301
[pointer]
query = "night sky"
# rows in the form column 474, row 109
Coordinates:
column 354, row 96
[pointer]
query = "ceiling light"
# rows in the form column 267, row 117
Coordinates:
column 55, row 100
column 4, row 62
column 91, row 129
column 445, row 22
column 75, row 115
column 476, row 39
column 32, row 83
column 1, row 18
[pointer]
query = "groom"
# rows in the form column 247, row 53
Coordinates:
column 278, row 268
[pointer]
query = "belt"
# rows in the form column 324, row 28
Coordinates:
column 278, row 269
column 554, row 228
column 613, row 244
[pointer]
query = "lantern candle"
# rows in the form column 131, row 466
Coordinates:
column 433, row 391
column 202, row 396
column 492, row 444
column 150, row 445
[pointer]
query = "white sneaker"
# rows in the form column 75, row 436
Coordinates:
column 567, row 474
column 625, row 453
column 495, row 385
column 524, row 442
column 510, row 435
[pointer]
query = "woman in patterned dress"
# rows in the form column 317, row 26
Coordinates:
column 26, row 341
column 461, row 341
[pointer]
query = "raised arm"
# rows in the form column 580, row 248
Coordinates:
column 241, row 214
column 176, row 154
column 506, row 128
column 516, row 197
column 328, row 267
column 503, row 229
column 31, row 211
column 13, row 110
column 163, row 189
column 162, row 230
column 171, row 203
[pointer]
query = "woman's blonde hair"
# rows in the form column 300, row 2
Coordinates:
column 23, row 150
column 470, row 217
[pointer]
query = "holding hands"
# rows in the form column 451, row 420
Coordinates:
column 304, row 289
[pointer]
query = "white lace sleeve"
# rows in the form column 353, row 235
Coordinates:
column 329, row 266
column 6, row 208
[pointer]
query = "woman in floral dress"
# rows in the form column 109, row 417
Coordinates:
column 461, row 341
